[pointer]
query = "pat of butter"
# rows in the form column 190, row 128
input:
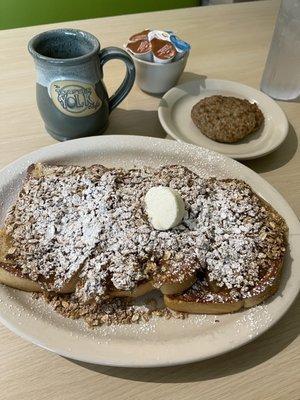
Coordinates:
column 165, row 207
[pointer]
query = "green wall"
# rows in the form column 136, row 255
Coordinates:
column 17, row 13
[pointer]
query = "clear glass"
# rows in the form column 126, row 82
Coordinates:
column 281, row 77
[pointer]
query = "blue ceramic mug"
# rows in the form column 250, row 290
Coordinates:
column 71, row 96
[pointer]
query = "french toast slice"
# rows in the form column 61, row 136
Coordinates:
column 8, row 274
column 140, row 290
column 32, row 260
column 129, row 245
column 201, row 299
column 178, row 287
column 23, row 248
column 217, row 291
column 169, row 279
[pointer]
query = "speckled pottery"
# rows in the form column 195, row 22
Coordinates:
column 70, row 92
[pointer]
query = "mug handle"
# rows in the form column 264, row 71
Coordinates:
column 110, row 53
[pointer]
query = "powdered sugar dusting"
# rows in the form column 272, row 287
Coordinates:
column 254, row 320
column 247, row 238
column 93, row 219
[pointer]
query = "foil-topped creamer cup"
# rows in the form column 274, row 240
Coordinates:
column 140, row 36
column 139, row 46
column 141, row 49
column 180, row 45
column 162, row 35
column 163, row 51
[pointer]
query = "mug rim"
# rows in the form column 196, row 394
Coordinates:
column 37, row 38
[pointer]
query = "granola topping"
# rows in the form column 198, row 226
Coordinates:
column 92, row 221
column 118, row 311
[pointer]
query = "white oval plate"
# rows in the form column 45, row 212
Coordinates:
column 159, row 342
column 175, row 107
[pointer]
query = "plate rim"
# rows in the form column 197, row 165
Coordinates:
column 156, row 363
column 162, row 109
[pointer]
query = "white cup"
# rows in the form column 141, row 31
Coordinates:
column 158, row 78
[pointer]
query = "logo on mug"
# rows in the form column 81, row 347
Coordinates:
column 76, row 99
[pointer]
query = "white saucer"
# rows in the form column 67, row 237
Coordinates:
column 174, row 113
column 159, row 342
